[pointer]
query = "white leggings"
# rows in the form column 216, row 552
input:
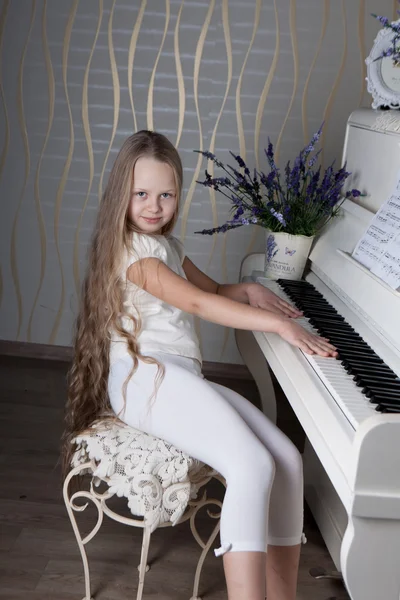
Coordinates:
column 263, row 503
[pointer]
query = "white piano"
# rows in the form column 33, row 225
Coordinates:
column 352, row 452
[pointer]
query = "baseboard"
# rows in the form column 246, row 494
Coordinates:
column 64, row 354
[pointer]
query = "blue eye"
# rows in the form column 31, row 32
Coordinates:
column 141, row 194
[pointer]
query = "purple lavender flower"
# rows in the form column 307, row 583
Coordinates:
column 383, row 20
column 239, row 160
column 394, row 50
column 238, row 213
column 314, row 159
column 353, row 193
column 220, row 229
column 300, row 203
column 270, row 151
column 279, row 216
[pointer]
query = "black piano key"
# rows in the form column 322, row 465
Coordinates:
column 381, row 394
column 376, row 377
column 361, row 371
column 320, row 304
column 382, row 397
column 375, row 390
column 389, row 406
column 346, row 343
column 296, row 283
column 331, row 321
column 377, row 398
column 320, row 313
column 390, row 385
column 332, row 324
column 359, row 365
column 338, row 327
column 307, row 297
column 339, row 330
column 349, row 343
column 378, row 385
column 349, row 347
column 346, row 353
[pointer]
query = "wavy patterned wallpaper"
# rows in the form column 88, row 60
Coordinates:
column 77, row 77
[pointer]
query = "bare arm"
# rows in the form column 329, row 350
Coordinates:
column 254, row 294
column 234, row 291
column 160, row 281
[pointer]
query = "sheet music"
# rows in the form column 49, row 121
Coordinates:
column 379, row 247
column 388, row 268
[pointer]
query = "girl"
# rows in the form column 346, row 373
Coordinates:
column 136, row 352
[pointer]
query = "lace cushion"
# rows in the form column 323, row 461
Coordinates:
column 157, row 479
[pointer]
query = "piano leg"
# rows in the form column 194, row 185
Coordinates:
column 370, row 559
column 255, row 361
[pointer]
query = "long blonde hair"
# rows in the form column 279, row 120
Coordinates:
column 101, row 303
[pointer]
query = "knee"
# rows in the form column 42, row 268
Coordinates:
column 256, row 465
column 290, row 459
column 264, row 463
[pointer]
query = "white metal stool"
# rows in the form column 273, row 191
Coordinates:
column 159, row 481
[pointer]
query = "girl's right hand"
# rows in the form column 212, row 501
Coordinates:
column 309, row 343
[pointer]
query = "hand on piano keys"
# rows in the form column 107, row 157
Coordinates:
column 261, row 297
column 296, row 335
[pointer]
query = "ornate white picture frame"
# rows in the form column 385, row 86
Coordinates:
column 383, row 75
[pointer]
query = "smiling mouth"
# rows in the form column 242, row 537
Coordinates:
column 152, row 220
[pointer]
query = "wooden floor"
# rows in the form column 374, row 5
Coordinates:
column 39, row 558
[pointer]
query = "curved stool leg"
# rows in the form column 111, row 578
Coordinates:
column 205, row 545
column 71, row 507
column 143, row 567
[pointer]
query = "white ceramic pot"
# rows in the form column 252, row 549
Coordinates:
column 286, row 255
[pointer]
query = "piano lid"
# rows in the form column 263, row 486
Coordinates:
column 372, row 152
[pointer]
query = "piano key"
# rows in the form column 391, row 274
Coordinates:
column 356, row 365
column 336, row 326
column 381, row 393
column 378, row 386
column 357, row 354
column 320, row 312
column 372, row 377
column 379, row 399
column 361, row 365
column 377, row 390
column 390, row 407
column 349, row 343
column 359, row 372
column 340, row 332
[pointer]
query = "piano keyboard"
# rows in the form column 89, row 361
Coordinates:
column 359, row 380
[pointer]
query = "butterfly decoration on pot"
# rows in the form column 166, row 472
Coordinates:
column 290, row 252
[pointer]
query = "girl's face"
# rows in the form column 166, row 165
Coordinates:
column 153, row 199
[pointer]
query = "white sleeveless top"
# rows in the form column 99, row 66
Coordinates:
column 164, row 327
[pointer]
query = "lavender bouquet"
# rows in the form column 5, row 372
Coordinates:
column 394, row 49
column 299, row 202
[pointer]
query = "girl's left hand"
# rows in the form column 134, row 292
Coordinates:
column 261, row 297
